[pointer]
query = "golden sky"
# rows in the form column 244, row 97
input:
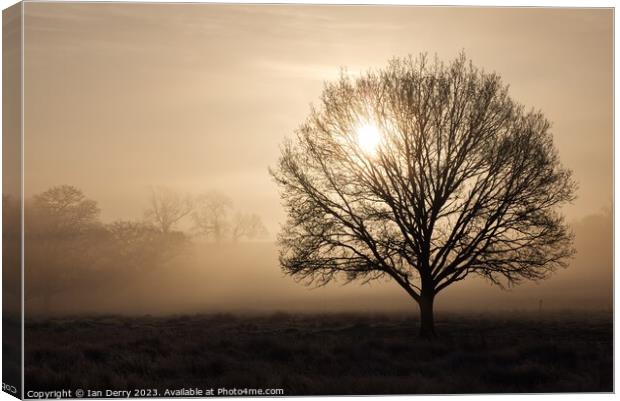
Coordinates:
column 196, row 97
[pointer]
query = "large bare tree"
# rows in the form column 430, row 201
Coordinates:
column 426, row 173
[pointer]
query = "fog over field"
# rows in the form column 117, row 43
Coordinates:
column 246, row 277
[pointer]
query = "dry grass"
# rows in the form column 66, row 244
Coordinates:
column 323, row 354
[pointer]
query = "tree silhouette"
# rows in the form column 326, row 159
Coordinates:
column 63, row 237
column 65, row 211
column 167, row 208
column 249, row 226
column 68, row 248
column 141, row 247
column 458, row 180
column 211, row 215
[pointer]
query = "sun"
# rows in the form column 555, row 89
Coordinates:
column 368, row 137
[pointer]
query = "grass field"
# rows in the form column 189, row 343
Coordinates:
column 323, row 354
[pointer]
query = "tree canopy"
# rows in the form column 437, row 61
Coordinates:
column 459, row 179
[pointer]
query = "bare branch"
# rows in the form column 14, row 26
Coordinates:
column 462, row 180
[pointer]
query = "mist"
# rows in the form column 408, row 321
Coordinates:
column 206, row 276
column 203, row 105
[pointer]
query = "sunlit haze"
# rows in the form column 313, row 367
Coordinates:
column 368, row 137
column 199, row 98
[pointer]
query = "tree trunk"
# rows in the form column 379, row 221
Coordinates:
column 427, row 322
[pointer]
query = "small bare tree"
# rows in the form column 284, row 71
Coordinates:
column 249, row 226
column 211, row 215
column 167, row 208
column 425, row 173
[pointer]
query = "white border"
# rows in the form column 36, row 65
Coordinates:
column 483, row 3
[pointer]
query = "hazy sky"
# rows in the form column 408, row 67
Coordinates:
column 196, row 97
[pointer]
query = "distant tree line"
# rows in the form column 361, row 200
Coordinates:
column 211, row 215
column 67, row 246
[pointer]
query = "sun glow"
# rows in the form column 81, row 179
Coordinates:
column 368, row 137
